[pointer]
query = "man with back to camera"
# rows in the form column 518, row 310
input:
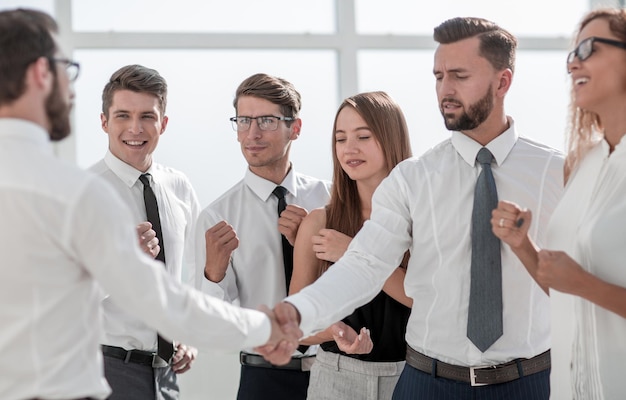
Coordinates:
column 65, row 234
column 461, row 343
column 139, row 363
column 247, row 245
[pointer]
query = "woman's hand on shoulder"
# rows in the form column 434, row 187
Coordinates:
column 330, row 245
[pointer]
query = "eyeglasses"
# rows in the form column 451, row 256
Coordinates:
column 584, row 50
column 265, row 122
column 72, row 68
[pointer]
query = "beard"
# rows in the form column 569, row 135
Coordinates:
column 475, row 115
column 58, row 112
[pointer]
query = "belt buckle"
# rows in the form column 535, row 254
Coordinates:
column 472, row 376
column 158, row 362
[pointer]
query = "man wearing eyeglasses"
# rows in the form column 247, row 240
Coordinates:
column 66, row 235
column 241, row 241
column 139, row 363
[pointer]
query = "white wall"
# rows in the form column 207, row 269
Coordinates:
column 324, row 63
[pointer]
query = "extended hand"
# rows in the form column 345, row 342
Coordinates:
column 349, row 342
column 147, row 239
column 285, row 334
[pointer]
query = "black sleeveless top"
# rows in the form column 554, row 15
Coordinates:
column 386, row 319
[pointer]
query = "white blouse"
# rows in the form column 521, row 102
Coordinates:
column 589, row 346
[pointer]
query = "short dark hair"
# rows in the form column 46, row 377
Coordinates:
column 136, row 78
column 25, row 36
column 497, row 45
column 276, row 90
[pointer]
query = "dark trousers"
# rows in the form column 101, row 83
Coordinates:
column 131, row 381
column 259, row 383
column 415, row 384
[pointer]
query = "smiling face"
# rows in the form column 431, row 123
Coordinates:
column 134, row 124
column 600, row 81
column 357, row 149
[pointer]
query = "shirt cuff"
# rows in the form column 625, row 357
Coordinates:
column 307, row 313
column 259, row 329
column 213, row 289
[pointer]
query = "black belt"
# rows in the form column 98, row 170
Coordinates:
column 255, row 360
column 479, row 376
column 134, row 356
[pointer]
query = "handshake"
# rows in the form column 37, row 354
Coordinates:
column 284, row 339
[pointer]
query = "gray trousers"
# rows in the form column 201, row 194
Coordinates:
column 336, row 377
column 130, row 381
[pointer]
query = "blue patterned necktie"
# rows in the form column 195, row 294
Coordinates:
column 484, row 320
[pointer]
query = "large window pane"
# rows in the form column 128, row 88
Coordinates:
column 42, row 5
column 537, row 100
column 267, row 16
column 199, row 139
column 529, row 17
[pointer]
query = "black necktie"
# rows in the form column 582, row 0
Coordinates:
column 484, row 320
column 165, row 348
column 280, row 192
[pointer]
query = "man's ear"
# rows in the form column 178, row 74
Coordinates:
column 40, row 75
column 164, row 124
column 296, row 128
column 504, row 83
column 104, row 122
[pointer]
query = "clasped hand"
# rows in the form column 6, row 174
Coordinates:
column 285, row 334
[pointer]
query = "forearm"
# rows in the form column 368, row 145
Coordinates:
column 527, row 253
column 320, row 337
column 394, row 287
column 606, row 295
column 215, row 270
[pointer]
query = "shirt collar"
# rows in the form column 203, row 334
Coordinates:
column 264, row 188
column 128, row 174
column 500, row 147
column 21, row 129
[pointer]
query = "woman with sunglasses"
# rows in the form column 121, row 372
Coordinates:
column 585, row 268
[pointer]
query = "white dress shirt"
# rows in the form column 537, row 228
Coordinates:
column 178, row 211
column 256, row 274
column 589, row 224
column 64, row 232
column 425, row 205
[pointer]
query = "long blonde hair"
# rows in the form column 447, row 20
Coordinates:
column 585, row 128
